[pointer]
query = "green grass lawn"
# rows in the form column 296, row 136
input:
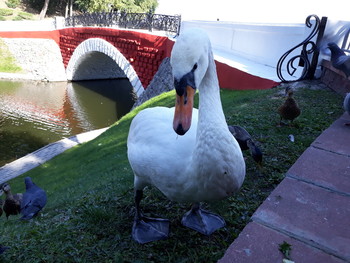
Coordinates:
column 12, row 14
column 89, row 214
column 7, row 62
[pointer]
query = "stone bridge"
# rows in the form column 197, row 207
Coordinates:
column 90, row 53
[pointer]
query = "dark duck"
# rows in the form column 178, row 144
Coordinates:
column 12, row 204
column 246, row 142
column 289, row 110
column 34, row 199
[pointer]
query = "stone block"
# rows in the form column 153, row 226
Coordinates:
column 336, row 138
column 323, row 168
column 311, row 214
column 260, row 244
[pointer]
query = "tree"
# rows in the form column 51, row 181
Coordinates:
column 69, row 8
column 44, row 9
column 133, row 6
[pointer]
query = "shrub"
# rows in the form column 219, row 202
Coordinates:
column 17, row 18
column 6, row 12
column 25, row 15
column 13, row 3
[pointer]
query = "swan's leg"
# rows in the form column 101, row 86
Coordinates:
column 280, row 123
column 202, row 221
column 146, row 229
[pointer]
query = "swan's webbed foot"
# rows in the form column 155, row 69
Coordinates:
column 202, row 221
column 147, row 229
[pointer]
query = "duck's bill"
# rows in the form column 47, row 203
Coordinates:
column 183, row 111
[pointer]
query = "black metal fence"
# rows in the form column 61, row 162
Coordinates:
column 147, row 21
column 308, row 48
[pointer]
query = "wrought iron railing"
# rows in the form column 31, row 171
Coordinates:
column 146, row 21
column 308, row 48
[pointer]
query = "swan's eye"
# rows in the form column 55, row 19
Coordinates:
column 195, row 67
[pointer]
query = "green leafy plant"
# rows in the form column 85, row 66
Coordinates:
column 6, row 12
column 285, row 249
column 13, row 3
column 25, row 15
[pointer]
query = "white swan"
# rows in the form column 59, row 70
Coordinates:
column 205, row 163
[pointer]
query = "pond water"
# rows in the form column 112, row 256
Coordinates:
column 34, row 114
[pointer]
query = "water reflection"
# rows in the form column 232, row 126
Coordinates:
column 51, row 111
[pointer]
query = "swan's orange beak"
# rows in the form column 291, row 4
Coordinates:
column 183, row 110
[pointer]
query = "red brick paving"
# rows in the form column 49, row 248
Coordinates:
column 309, row 209
column 258, row 243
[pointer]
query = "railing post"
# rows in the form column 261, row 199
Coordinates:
column 303, row 57
column 179, row 25
column 150, row 21
column 311, row 72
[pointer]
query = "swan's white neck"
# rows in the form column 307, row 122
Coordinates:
column 210, row 168
column 210, row 107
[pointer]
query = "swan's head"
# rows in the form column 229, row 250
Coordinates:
column 189, row 61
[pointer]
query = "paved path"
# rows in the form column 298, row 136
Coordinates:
column 44, row 154
column 309, row 209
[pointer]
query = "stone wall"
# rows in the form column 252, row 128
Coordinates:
column 161, row 82
column 40, row 59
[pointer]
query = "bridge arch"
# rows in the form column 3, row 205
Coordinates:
column 96, row 58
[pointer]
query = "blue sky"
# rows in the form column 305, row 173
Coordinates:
column 263, row 11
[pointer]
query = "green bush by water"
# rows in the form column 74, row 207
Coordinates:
column 7, row 61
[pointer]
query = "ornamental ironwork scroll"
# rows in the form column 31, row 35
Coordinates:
column 147, row 21
column 308, row 47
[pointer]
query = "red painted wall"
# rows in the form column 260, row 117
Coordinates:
column 55, row 35
column 232, row 78
column 144, row 51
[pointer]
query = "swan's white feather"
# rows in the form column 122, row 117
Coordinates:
column 151, row 144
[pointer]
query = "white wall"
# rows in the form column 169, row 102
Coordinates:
column 262, row 43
